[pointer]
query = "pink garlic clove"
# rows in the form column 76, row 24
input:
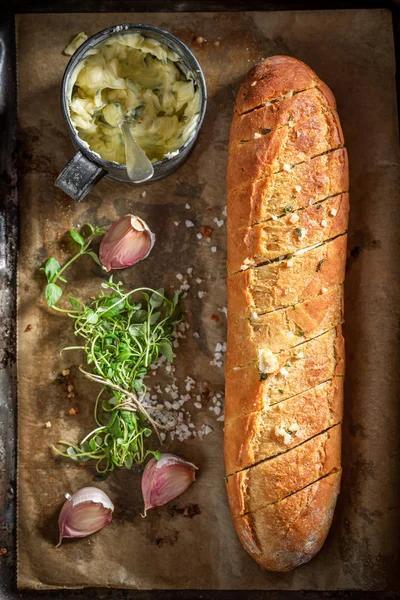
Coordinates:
column 84, row 513
column 127, row 242
column 165, row 479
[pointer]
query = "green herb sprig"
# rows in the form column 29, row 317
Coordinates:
column 123, row 333
column 53, row 270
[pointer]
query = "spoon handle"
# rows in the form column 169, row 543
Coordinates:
column 138, row 166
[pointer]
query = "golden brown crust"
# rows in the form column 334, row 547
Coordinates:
column 287, row 181
column 283, row 329
column 282, row 149
column 268, row 241
column 274, row 77
column 258, row 436
column 290, row 110
column 284, row 535
column 323, row 358
column 274, row 479
column 307, row 183
column 276, row 285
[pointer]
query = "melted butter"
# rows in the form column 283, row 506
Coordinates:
column 137, row 79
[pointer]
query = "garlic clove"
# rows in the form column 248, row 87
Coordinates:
column 165, row 479
column 127, row 242
column 84, row 513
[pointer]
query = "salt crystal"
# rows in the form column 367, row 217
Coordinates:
column 213, row 248
column 189, row 223
column 187, row 205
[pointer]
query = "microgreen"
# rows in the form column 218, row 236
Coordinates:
column 123, row 333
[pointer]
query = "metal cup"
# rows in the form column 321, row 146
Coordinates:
column 86, row 168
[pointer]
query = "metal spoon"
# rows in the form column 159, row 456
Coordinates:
column 138, row 166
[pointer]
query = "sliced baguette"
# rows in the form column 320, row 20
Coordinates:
column 290, row 532
column 295, row 231
column 277, row 285
column 305, row 184
column 260, row 435
column 322, row 358
column 286, row 328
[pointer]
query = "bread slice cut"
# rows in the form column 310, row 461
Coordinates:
column 279, row 284
column 295, row 231
column 272, row 79
column 299, row 107
column 305, row 184
column 283, row 329
column 321, row 359
column 282, row 149
column 290, row 532
column 270, row 432
column 273, row 479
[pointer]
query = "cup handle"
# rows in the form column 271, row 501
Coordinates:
column 79, row 176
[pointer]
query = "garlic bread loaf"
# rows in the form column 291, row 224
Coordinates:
column 288, row 206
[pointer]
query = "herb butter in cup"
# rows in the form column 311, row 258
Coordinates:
column 138, row 74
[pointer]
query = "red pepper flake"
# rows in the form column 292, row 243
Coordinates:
column 72, row 412
column 215, row 318
column 209, row 209
column 29, row 327
column 206, row 231
column 3, row 551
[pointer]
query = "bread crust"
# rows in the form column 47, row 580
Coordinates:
column 305, row 184
column 323, row 358
column 274, row 286
column 283, row 329
column 287, row 209
column 273, row 479
column 284, row 535
column 274, row 77
column 283, row 148
column 273, row 239
column 289, row 110
column 260, row 435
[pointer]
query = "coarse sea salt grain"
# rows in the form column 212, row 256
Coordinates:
column 176, row 223
column 187, row 206
column 189, row 223
column 201, row 294
column 213, row 248
column 199, row 235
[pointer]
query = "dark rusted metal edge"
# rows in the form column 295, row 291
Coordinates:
column 8, row 264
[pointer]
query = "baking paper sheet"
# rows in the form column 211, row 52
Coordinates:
column 352, row 51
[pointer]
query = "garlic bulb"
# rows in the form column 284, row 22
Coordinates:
column 165, row 479
column 127, row 242
column 84, row 513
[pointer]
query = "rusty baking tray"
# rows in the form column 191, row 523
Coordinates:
column 8, row 256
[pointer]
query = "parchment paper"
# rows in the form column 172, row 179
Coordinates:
column 353, row 52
